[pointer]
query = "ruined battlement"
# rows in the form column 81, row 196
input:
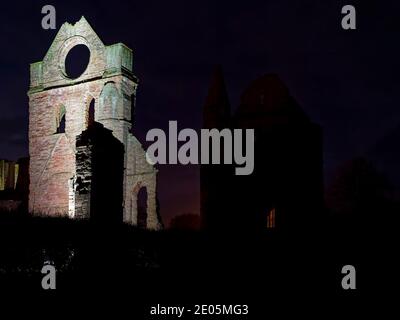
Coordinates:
column 105, row 61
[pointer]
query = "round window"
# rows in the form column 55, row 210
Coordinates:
column 77, row 61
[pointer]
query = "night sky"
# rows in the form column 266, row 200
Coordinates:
column 345, row 80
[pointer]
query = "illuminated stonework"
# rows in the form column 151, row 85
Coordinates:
column 107, row 83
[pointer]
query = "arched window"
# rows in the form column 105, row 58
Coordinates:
column 90, row 114
column 108, row 101
column 271, row 218
column 142, row 208
column 133, row 104
column 60, row 120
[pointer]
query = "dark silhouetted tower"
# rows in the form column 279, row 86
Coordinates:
column 285, row 190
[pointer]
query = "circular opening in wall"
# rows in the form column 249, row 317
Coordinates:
column 77, row 61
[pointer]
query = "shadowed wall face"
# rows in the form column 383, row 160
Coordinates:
column 99, row 172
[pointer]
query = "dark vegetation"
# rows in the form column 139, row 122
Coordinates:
column 187, row 265
column 192, row 266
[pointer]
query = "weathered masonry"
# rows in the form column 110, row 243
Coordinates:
column 68, row 118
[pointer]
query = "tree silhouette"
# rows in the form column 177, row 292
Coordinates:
column 186, row 221
column 359, row 191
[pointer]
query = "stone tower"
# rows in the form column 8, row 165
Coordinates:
column 61, row 109
column 285, row 190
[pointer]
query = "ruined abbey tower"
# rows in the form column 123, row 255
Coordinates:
column 80, row 141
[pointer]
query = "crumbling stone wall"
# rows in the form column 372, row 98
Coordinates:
column 83, row 180
column 140, row 174
column 108, row 79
